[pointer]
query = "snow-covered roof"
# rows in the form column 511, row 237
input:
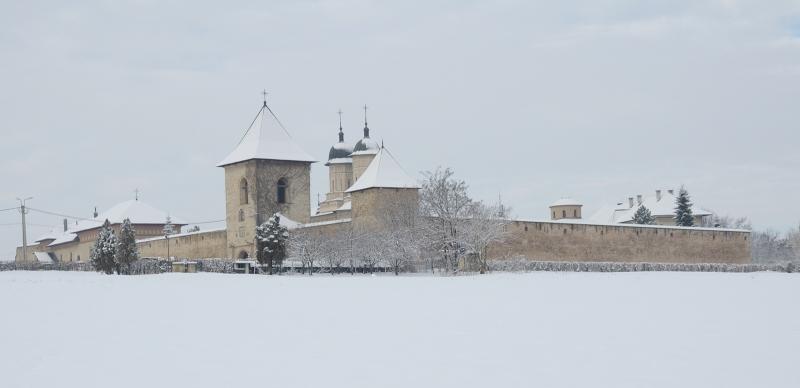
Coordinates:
column 51, row 235
column 266, row 139
column 366, row 146
column 566, row 202
column 64, row 238
column 138, row 212
column 339, row 161
column 287, row 222
column 43, row 257
column 384, row 171
column 347, row 205
column 621, row 212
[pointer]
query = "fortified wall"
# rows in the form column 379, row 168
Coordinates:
column 199, row 245
column 557, row 241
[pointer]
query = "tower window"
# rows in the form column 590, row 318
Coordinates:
column 554, row 215
column 282, row 190
column 243, row 192
column 563, row 214
column 575, row 213
column 241, row 215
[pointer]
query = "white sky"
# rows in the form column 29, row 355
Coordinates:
column 597, row 100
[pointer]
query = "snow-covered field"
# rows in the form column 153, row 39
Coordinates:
column 70, row 329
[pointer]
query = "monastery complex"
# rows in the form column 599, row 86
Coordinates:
column 269, row 173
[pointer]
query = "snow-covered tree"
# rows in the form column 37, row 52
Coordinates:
column 271, row 237
column 643, row 216
column 718, row 221
column 486, row 225
column 104, row 249
column 683, row 209
column 444, row 204
column 307, row 245
column 127, row 253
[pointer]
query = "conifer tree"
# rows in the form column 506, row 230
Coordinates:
column 127, row 252
column 683, row 209
column 643, row 216
column 104, row 249
column 271, row 237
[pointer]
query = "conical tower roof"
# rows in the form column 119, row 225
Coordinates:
column 384, row 171
column 266, row 139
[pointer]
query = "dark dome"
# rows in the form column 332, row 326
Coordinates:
column 366, row 144
column 340, row 150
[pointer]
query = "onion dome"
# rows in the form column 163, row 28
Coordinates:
column 340, row 151
column 366, row 146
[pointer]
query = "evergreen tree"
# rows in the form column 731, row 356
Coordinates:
column 271, row 238
column 127, row 252
column 683, row 209
column 643, row 216
column 104, row 249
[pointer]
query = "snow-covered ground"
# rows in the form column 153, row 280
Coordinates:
column 70, row 329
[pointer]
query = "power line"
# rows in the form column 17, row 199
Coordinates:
column 64, row 215
column 11, row 208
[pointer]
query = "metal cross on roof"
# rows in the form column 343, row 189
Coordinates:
column 136, row 194
column 264, row 93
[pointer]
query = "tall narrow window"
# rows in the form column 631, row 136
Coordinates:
column 563, row 214
column 243, row 192
column 575, row 213
column 282, row 190
column 241, row 215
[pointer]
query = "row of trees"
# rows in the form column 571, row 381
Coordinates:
column 112, row 254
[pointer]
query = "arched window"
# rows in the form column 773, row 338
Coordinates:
column 282, row 190
column 575, row 213
column 243, row 192
column 241, row 215
column 563, row 214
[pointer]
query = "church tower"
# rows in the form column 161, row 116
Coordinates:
column 364, row 151
column 383, row 193
column 340, row 173
column 266, row 173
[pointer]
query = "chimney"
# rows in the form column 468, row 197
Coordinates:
column 639, row 199
column 630, row 202
column 658, row 195
column 65, row 224
column 671, row 192
column 95, row 212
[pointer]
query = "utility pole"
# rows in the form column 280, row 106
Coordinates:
column 23, row 211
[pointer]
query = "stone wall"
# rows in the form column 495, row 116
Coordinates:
column 371, row 207
column 199, row 245
column 557, row 241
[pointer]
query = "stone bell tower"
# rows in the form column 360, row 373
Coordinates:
column 266, row 173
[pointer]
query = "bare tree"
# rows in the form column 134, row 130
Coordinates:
column 307, row 245
column 486, row 225
column 719, row 221
column 336, row 253
column 445, row 205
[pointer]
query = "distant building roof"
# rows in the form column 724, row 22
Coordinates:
column 566, row 202
column 384, row 171
column 266, row 139
column 622, row 212
column 138, row 212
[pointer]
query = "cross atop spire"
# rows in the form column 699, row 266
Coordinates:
column 136, row 194
column 341, row 134
column 264, row 93
column 365, row 115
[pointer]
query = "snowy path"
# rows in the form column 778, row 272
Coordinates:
column 502, row 330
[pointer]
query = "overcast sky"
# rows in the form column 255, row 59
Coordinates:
column 596, row 100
